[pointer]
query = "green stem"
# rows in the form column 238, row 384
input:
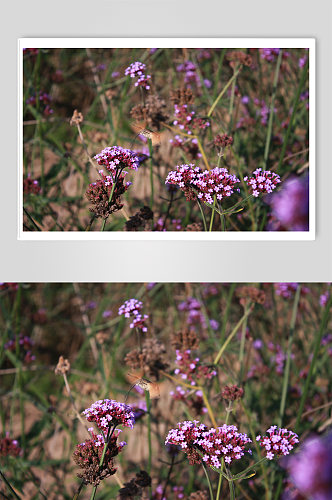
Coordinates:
column 208, row 480
column 109, row 201
column 223, row 92
column 318, row 341
column 151, row 173
column 229, row 409
column 289, row 352
column 231, row 486
column 212, row 215
column 242, row 345
column 203, row 216
column 294, row 106
column 271, row 114
column 107, row 440
column 148, row 409
column 230, row 336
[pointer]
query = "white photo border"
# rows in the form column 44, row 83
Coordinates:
column 173, row 43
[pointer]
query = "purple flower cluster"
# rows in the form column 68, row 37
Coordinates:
column 186, row 120
column 278, row 442
column 287, row 290
column 117, row 158
column 132, row 309
column 189, row 146
column 193, row 308
column 310, row 469
column 271, row 54
column 44, row 100
column 25, row 348
column 194, row 401
column 190, row 73
column 190, row 368
column 108, row 412
column 207, row 184
column 210, row 445
column 262, row 181
column 290, row 206
column 137, row 70
column 324, row 298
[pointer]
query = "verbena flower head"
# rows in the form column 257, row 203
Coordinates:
column 186, row 119
column 131, row 309
column 107, row 413
column 190, row 368
column 225, row 442
column 262, row 181
column 207, row 184
column 186, row 437
column 117, row 158
column 209, row 445
column 137, row 70
column 278, row 442
column 310, row 469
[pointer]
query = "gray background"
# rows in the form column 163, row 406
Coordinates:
column 171, row 260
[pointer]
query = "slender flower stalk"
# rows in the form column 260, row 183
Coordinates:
column 271, row 113
column 289, row 352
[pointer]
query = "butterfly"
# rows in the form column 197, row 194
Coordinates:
column 145, row 384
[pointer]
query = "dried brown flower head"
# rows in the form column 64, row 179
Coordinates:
column 77, row 118
column 150, row 360
column 152, row 113
column 134, row 487
column 240, row 57
column 195, row 226
column 246, row 293
column 182, row 96
column 198, row 495
column 139, row 220
column 186, row 339
column 223, row 140
column 98, row 193
column 87, row 456
column 62, row 367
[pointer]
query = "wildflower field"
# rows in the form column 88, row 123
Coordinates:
column 163, row 139
column 166, row 391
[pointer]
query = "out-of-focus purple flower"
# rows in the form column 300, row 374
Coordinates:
column 107, row 313
column 324, row 298
column 115, row 74
column 302, row 61
column 214, row 324
column 152, row 51
column 245, row 99
column 290, row 206
column 207, row 83
column 258, row 344
column 190, row 73
column 310, row 469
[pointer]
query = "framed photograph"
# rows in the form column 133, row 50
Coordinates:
column 166, row 138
